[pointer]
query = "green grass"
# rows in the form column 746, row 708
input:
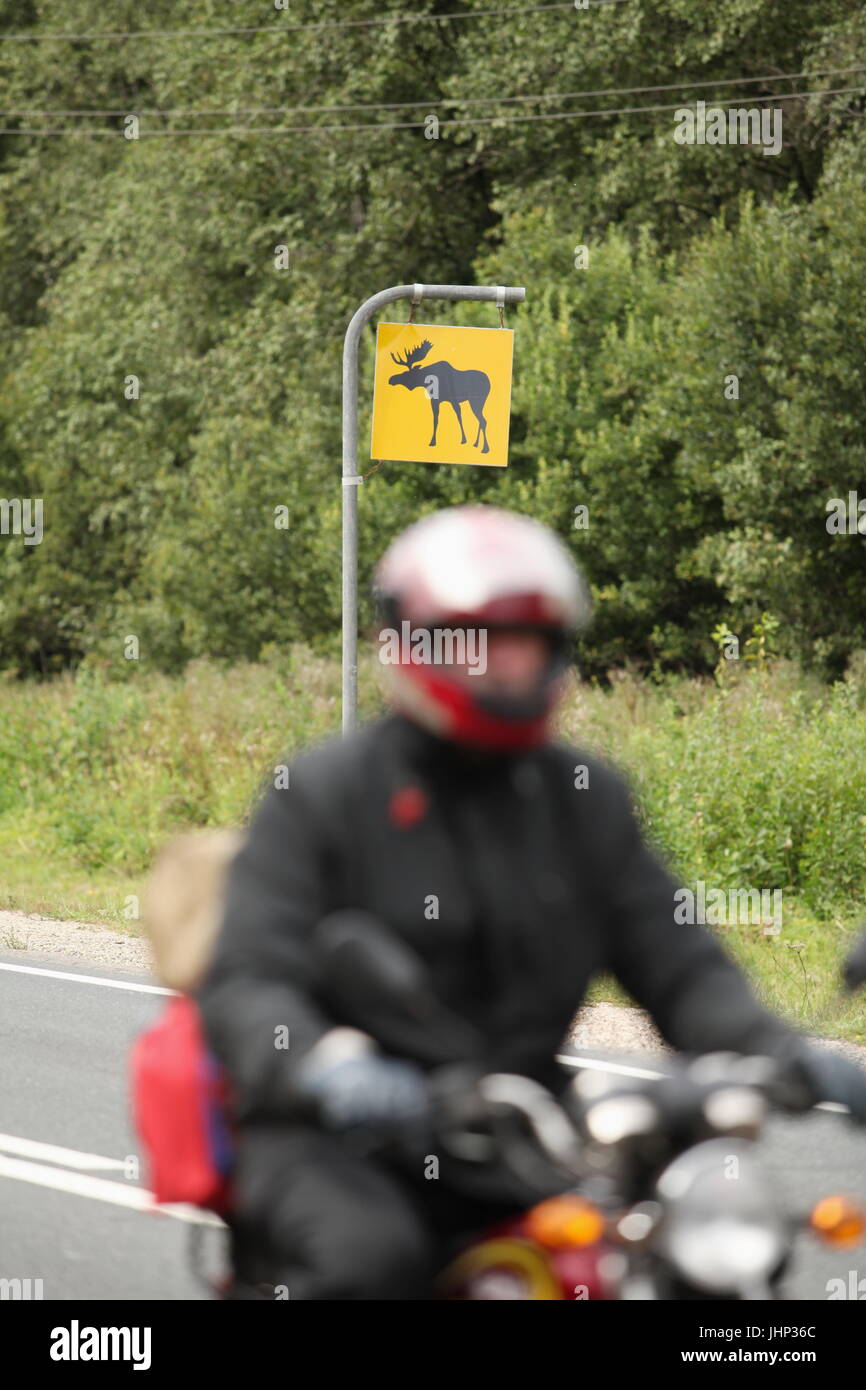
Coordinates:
column 759, row 782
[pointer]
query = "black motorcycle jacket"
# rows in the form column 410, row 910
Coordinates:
column 516, row 879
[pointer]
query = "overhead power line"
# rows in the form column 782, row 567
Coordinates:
column 278, row 27
column 421, row 125
column 486, row 120
column 436, row 101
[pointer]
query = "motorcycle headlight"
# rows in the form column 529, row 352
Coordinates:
column 721, row 1229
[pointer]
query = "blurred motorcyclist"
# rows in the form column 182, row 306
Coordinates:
column 511, row 863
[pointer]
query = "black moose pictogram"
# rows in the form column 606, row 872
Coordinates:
column 442, row 382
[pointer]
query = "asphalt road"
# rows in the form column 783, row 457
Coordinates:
column 66, row 1136
column 63, row 1083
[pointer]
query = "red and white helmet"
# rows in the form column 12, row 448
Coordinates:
column 479, row 567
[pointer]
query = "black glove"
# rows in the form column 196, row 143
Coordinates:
column 814, row 1074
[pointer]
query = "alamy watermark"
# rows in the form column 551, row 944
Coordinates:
column 738, row 125
column 736, row 907
column 77, row 1343
column 846, row 518
column 855, row 1288
column 21, row 516
column 22, row 1289
column 434, row 646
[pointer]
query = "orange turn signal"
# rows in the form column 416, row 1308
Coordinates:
column 565, row 1221
column 838, row 1220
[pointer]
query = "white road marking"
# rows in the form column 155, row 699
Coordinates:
column 101, row 1190
column 621, row 1069
column 88, row 979
column 616, row 1068
column 53, row 1153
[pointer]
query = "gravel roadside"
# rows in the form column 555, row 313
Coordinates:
column 83, row 942
column 610, row 1027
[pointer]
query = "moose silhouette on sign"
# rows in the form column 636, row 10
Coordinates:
column 442, row 382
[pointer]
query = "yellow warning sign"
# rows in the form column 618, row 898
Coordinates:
column 442, row 394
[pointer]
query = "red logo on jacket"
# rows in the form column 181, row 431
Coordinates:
column 407, row 807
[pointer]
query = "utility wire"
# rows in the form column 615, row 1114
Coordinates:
column 437, row 101
column 278, row 27
column 421, row 125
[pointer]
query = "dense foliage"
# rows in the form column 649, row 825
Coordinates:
column 155, row 258
column 752, row 781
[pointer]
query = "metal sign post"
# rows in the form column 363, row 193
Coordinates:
column 497, row 294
